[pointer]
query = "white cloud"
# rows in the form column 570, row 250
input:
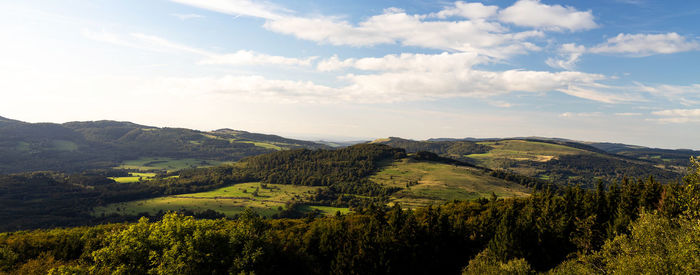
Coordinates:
column 570, row 114
column 679, row 113
column 394, row 86
column 406, row 62
column 420, row 76
column 415, row 85
column 532, row 13
column 467, row 10
column 260, row 9
column 187, row 16
column 107, row 37
column 633, row 45
column 159, row 44
column 395, row 26
column 686, row 95
column 597, row 92
column 628, row 114
column 243, row 57
column 569, row 55
column 677, row 116
column 646, row 44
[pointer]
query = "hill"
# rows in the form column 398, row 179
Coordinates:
column 78, row 146
column 283, row 183
column 672, row 159
column 556, row 160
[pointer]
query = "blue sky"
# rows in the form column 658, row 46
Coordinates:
column 620, row 71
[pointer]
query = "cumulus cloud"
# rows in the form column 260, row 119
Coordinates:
column 406, row 61
column 467, row 10
column 395, row 26
column 646, row 44
column 532, row 13
column 631, row 45
column 415, row 85
column 568, row 55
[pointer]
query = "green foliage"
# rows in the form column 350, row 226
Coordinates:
column 182, row 245
column 655, row 245
column 485, row 263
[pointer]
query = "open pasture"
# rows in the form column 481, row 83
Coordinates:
column 167, row 164
column 426, row 183
column 265, row 200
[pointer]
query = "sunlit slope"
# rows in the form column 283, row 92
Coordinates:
column 424, row 182
column 264, row 199
column 563, row 163
column 503, row 153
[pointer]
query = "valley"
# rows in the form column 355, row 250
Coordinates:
column 287, row 198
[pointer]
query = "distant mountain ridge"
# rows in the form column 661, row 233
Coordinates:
column 677, row 157
column 76, row 146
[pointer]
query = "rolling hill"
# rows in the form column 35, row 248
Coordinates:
column 78, row 146
column 554, row 160
column 287, row 182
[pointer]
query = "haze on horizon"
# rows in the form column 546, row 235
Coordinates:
column 617, row 71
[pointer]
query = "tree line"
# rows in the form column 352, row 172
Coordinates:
column 634, row 226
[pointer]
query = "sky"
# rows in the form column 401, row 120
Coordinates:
column 601, row 70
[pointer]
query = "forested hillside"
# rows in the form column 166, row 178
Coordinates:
column 629, row 228
column 350, row 177
column 79, row 146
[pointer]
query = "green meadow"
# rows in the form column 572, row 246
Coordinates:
column 263, row 145
column 229, row 200
column 426, row 183
column 134, row 177
column 167, row 164
column 524, row 150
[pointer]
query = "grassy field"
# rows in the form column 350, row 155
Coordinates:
column 64, row 145
column 524, row 150
column 264, row 145
column 259, row 144
column 168, row 164
column 230, row 200
column 134, row 177
column 426, row 183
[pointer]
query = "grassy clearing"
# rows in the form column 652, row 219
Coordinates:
column 426, row 183
column 230, row 200
column 264, row 145
column 23, row 146
column 524, row 150
column 134, row 177
column 168, row 164
column 64, row 145
column 325, row 209
column 259, row 144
